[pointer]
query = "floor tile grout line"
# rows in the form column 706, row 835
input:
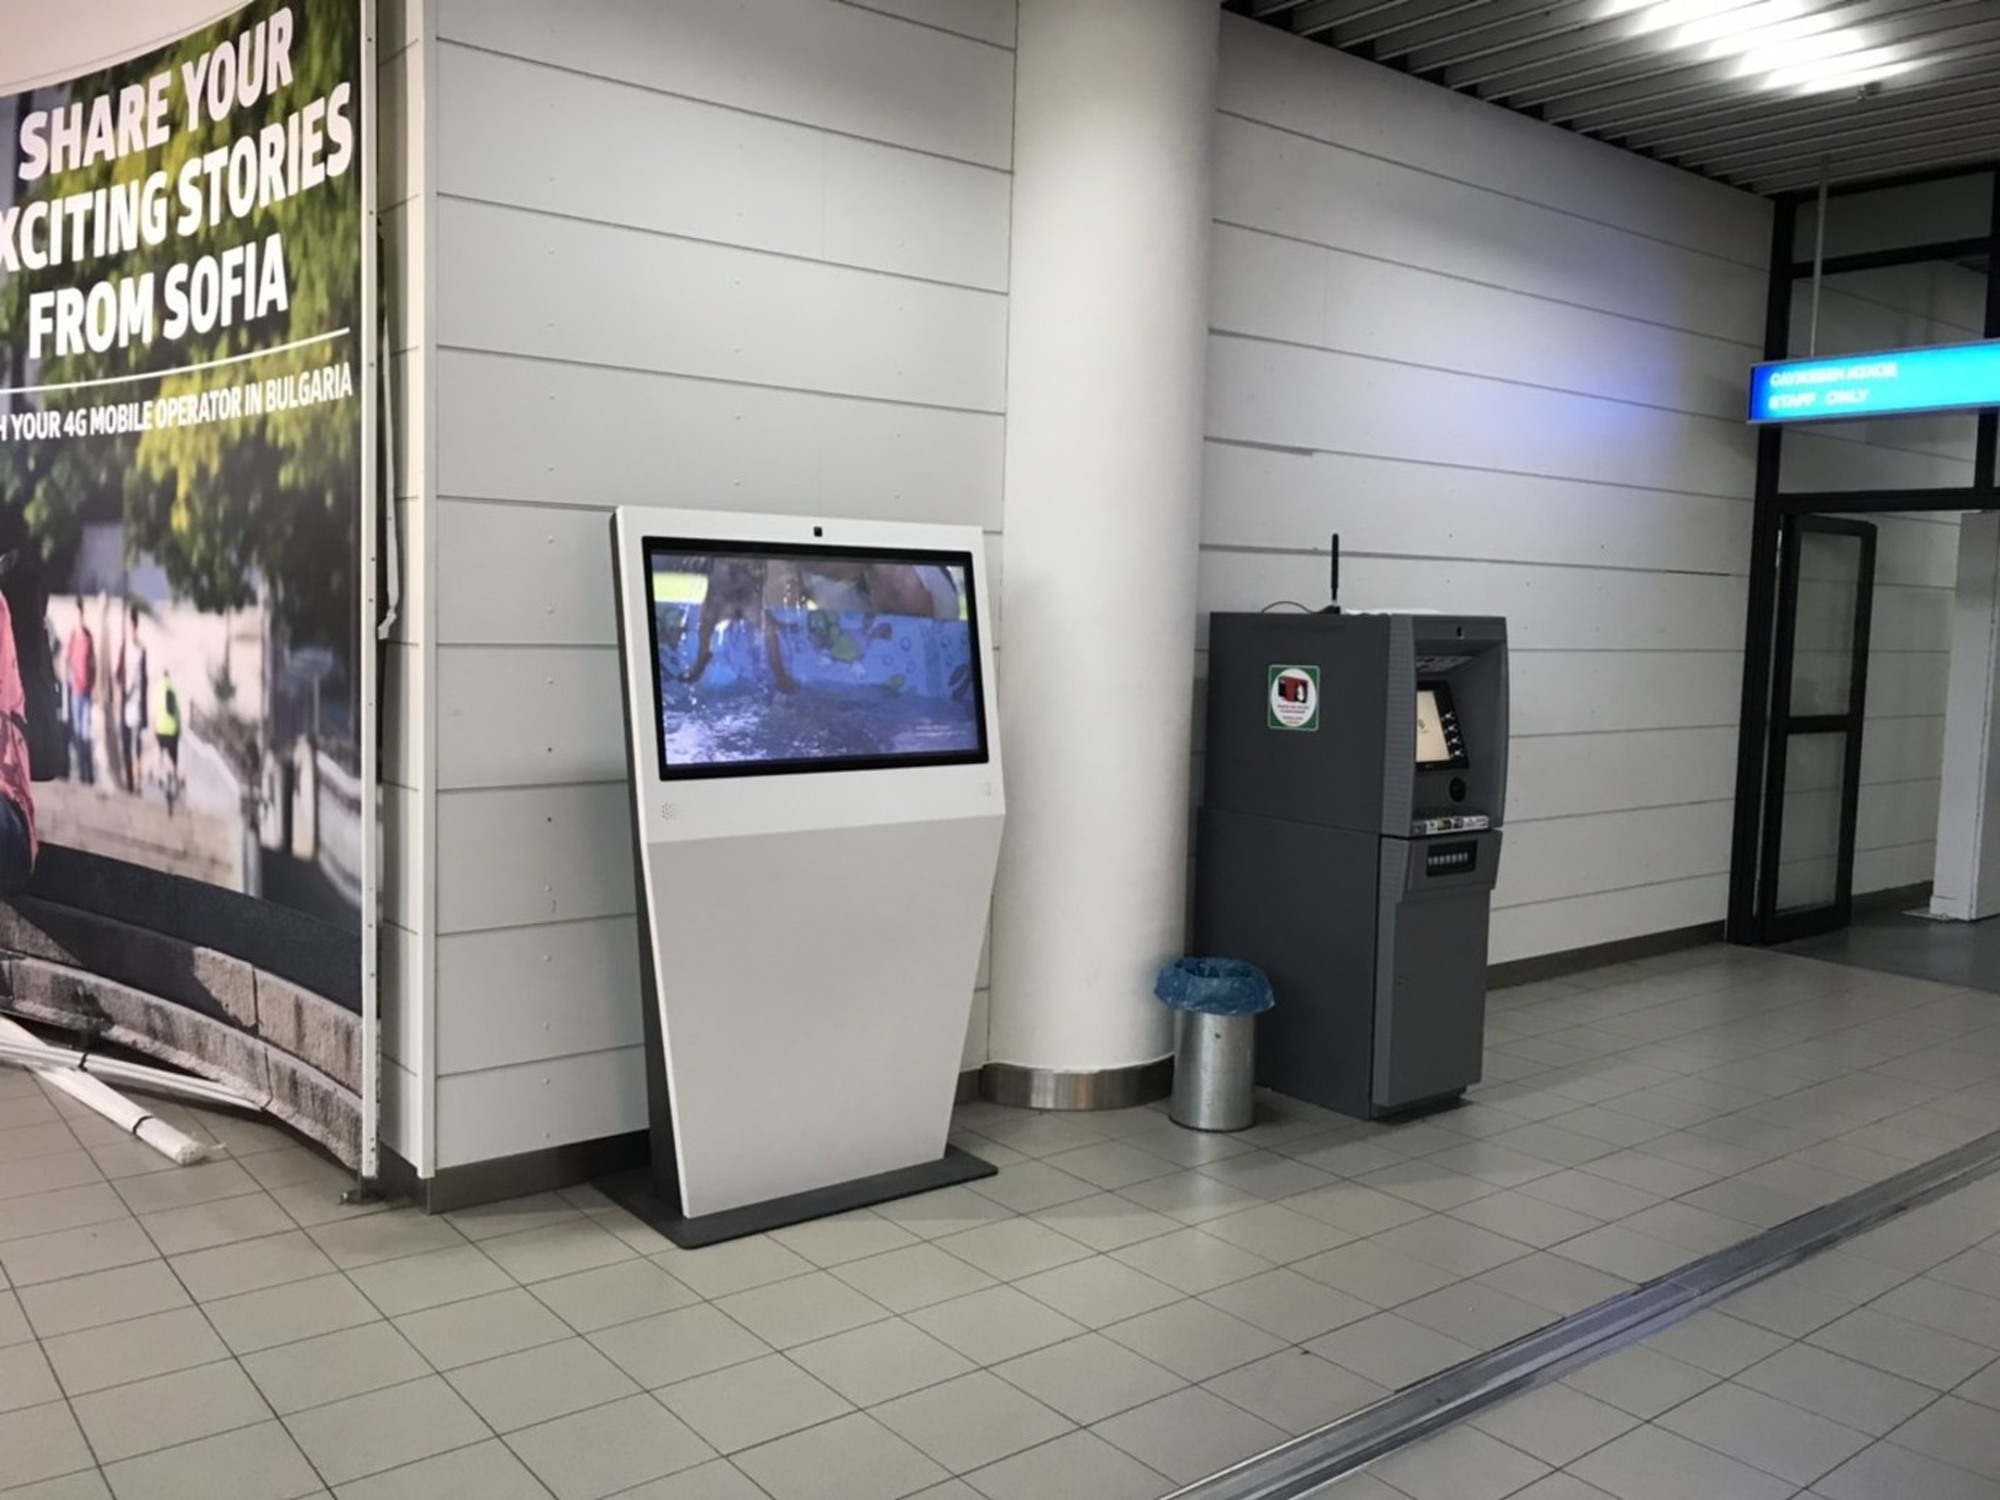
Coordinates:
column 249, row 1379
column 1430, row 1405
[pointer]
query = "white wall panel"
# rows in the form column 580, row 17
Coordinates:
column 402, row 1113
column 746, row 255
column 1865, row 311
column 1910, row 749
column 1919, row 550
column 1607, row 917
column 398, row 23
column 403, row 234
column 1910, row 619
column 1328, row 195
column 1915, row 213
column 1876, row 456
column 526, row 575
column 525, row 993
column 1566, row 775
column 528, row 717
column 401, row 144
column 403, row 867
column 552, row 288
column 515, row 132
column 543, row 854
column 1296, row 397
column 1906, row 685
column 852, row 71
column 1887, row 869
column 533, row 1106
column 413, row 623
column 1893, row 814
column 1275, row 288
column 974, row 1055
column 987, row 20
column 1278, row 498
column 1507, row 366
column 1269, row 77
column 1560, row 857
column 401, row 692
column 404, row 1037
column 564, row 434
column 1594, row 692
column 1547, row 608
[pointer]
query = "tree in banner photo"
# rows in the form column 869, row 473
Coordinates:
column 181, row 414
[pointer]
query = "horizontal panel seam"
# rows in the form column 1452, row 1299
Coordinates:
column 1734, row 423
column 538, row 926
column 963, row 36
column 734, row 245
column 447, row 788
column 1645, row 885
column 754, row 385
column 1752, row 346
column 1347, row 554
column 534, row 1062
column 1306, row 451
column 1480, row 187
column 444, row 932
column 1622, row 811
column 448, row 43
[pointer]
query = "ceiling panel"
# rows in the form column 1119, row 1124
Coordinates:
column 1764, row 94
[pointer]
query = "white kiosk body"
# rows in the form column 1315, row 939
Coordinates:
column 817, row 798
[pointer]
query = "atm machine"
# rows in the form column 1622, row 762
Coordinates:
column 1349, row 840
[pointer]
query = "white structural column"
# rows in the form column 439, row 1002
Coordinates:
column 1966, row 885
column 1106, row 370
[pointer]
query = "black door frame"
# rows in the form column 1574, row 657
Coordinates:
column 1774, row 925
column 1772, row 507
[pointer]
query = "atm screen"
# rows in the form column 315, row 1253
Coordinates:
column 802, row 658
column 1438, row 741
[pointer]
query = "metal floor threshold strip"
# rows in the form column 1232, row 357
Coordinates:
column 1308, row 1463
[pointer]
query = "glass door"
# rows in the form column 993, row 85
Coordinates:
column 1819, row 680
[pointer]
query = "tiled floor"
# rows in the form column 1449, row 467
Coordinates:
column 1895, row 942
column 1125, row 1308
column 1871, row 1372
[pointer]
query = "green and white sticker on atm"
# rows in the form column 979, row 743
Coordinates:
column 1294, row 698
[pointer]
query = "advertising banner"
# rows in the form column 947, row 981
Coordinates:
column 186, row 746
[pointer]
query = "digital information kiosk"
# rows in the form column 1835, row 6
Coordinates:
column 1349, row 840
column 816, row 779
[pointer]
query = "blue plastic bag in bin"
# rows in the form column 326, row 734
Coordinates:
column 1215, row 987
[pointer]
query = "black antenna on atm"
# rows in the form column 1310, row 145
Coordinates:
column 1333, row 580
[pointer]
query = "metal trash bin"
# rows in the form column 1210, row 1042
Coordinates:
column 1216, row 1002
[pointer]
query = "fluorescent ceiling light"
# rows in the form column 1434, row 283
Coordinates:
column 1827, row 47
column 1850, row 72
column 1743, row 20
column 1794, row 45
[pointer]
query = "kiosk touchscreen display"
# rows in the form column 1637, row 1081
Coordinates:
column 802, row 658
column 1439, row 743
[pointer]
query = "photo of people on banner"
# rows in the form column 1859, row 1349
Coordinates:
column 181, row 389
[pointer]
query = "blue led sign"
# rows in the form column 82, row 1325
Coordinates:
column 1945, row 377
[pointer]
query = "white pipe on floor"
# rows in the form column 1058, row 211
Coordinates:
column 37, row 1055
column 96, row 1095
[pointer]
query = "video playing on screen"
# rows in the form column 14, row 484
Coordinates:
column 812, row 658
column 1433, row 749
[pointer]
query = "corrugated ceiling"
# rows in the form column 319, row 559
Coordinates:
column 1612, row 69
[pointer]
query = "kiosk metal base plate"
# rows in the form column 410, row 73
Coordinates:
column 636, row 1192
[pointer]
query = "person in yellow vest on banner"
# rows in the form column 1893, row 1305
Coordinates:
column 167, row 732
